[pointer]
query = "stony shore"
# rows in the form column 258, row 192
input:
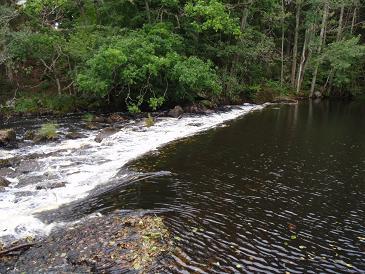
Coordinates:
column 101, row 244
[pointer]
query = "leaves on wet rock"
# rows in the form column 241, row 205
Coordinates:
column 101, row 244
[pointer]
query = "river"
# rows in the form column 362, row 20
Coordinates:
column 277, row 190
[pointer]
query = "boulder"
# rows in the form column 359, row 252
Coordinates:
column 5, row 163
column 197, row 109
column 38, row 138
column 176, row 112
column 50, row 185
column 317, row 94
column 104, row 133
column 74, row 135
column 115, row 118
column 29, row 135
column 4, row 182
column 93, row 126
column 99, row 119
column 7, row 138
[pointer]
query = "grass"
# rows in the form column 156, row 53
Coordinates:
column 149, row 122
column 48, row 131
column 88, row 117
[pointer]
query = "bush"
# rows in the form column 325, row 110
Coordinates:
column 26, row 105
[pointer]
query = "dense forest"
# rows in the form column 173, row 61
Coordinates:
column 68, row 55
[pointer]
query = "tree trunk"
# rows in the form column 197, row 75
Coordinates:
column 295, row 47
column 282, row 43
column 328, row 85
column 319, row 50
column 303, row 59
column 148, row 11
column 58, row 85
column 353, row 21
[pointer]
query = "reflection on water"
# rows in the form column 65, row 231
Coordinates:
column 278, row 190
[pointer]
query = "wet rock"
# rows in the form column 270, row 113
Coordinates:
column 38, row 138
column 8, row 138
column 4, row 182
column 176, row 112
column 317, row 94
column 74, row 135
column 99, row 119
column 29, row 135
column 285, row 100
column 5, row 163
column 6, row 172
column 104, row 133
column 197, row 109
column 52, row 185
column 102, row 244
column 93, row 126
column 115, row 118
column 27, row 166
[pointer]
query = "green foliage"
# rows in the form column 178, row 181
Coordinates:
column 154, row 103
column 55, row 103
column 26, row 105
column 88, row 117
column 142, row 55
column 133, row 108
column 48, row 131
column 195, row 76
column 211, row 15
column 343, row 55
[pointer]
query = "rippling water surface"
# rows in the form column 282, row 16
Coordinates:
column 278, row 190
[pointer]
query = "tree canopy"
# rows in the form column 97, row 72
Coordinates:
column 147, row 53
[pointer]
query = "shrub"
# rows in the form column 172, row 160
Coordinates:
column 26, row 105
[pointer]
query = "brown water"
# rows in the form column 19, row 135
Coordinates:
column 278, row 190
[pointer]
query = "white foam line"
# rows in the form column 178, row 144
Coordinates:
column 84, row 168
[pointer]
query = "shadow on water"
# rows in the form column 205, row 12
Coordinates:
column 278, row 190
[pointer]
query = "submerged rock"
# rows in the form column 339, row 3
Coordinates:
column 197, row 109
column 8, row 138
column 4, row 182
column 50, row 185
column 99, row 119
column 27, row 166
column 5, row 163
column 115, row 118
column 104, row 133
column 176, row 112
column 29, row 135
column 74, row 135
column 285, row 100
column 93, row 126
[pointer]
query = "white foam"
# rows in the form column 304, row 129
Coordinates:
column 85, row 167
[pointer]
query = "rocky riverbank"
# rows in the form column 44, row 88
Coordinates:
column 99, row 244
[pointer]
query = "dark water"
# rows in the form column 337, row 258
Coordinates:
column 275, row 191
